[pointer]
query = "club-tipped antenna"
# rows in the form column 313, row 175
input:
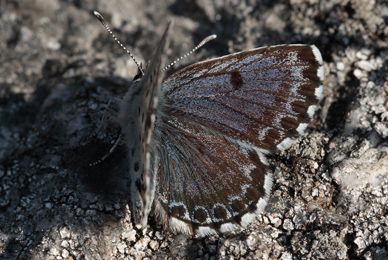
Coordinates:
column 204, row 41
column 104, row 23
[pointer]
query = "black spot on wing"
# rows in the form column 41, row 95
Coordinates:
column 236, row 80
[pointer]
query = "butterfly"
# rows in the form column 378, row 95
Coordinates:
column 198, row 140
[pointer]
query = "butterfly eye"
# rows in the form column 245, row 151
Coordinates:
column 140, row 73
column 138, row 76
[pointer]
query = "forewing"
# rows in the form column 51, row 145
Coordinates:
column 258, row 97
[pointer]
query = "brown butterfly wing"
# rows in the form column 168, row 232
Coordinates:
column 218, row 120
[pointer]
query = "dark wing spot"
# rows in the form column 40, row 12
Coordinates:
column 179, row 211
column 220, row 213
column 136, row 166
column 200, row 215
column 238, row 206
column 236, row 80
column 138, row 185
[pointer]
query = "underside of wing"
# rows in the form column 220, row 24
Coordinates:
column 137, row 119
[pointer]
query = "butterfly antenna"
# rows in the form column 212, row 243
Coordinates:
column 105, row 24
column 207, row 39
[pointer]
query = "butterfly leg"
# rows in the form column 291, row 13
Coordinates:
column 111, row 111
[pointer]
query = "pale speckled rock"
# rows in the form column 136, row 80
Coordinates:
column 364, row 168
